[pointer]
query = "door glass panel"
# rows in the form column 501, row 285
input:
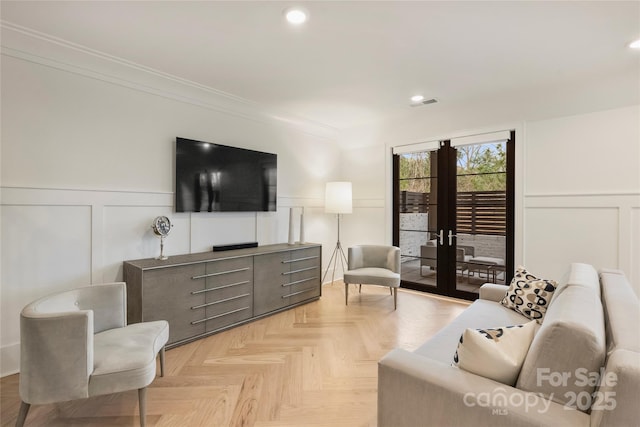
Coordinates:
column 481, row 215
column 418, row 207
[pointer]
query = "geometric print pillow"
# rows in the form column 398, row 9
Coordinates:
column 529, row 295
column 496, row 353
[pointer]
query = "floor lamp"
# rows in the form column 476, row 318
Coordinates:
column 338, row 200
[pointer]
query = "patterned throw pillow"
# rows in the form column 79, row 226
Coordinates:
column 496, row 353
column 529, row 295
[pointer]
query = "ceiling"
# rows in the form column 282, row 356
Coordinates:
column 354, row 62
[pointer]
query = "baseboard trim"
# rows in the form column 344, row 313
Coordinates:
column 9, row 360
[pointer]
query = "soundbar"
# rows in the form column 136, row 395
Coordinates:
column 219, row 248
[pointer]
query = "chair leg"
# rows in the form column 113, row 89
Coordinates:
column 395, row 298
column 359, row 289
column 142, row 403
column 346, row 293
column 162, row 362
column 22, row 415
column 390, row 291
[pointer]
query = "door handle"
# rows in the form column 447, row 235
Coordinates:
column 451, row 236
column 441, row 237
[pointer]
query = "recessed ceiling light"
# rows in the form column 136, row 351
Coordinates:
column 422, row 101
column 296, row 16
column 635, row 44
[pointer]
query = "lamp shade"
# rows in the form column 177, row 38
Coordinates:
column 338, row 198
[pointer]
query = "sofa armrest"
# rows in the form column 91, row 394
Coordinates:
column 493, row 292
column 614, row 404
column 415, row 390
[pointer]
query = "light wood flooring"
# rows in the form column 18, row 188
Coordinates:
column 314, row 365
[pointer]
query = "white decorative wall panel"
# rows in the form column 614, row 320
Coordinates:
column 557, row 237
column 221, row 229
column 268, row 227
column 44, row 249
column 603, row 230
column 128, row 235
column 634, row 271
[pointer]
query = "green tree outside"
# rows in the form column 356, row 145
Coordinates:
column 479, row 168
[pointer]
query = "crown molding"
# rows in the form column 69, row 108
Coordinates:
column 33, row 46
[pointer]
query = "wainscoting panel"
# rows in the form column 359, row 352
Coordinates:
column 221, row 228
column 45, row 249
column 634, row 245
column 128, row 235
column 599, row 229
column 559, row 236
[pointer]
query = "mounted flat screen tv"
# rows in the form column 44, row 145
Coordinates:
column 218, row 178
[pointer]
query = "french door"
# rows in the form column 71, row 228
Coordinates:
column 453, row 213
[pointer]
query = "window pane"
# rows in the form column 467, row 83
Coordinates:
column 488, row 182
column 482, row 158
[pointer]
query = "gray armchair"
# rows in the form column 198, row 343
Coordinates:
column 76, row 344
column 373, row 265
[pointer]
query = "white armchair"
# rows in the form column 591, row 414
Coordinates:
column 77, row 344
column 373, row 265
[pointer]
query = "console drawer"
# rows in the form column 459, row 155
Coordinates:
column 303, row 290
column 224, row 272
column 167, row 291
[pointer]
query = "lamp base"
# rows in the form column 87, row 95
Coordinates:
column 338, row 253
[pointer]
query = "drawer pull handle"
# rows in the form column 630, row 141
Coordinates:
column 300, row 259
column 219, row 302
column 219, row 273
column 297, row 293
column 299, row 281
column 195, row 322
column 220, row 287
column 299, row 271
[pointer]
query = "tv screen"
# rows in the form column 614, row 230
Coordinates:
column 218, row 178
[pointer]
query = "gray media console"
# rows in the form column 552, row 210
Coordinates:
column 204, row 293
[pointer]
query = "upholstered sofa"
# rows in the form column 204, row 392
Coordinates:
column 582, row 367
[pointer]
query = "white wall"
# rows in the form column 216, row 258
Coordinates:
column 582, row 192
column 577, row 181
column 87, row 163
column 366, row 169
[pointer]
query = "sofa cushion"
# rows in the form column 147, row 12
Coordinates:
column 622, row 311
column 372, row 276
column 579, row 274
column 495, row 353
column 529, row 295
column 568, row 348
column 480, row 314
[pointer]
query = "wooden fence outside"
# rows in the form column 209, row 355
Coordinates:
column 478, row 212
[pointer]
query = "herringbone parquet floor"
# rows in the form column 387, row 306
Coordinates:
column 314, row 365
